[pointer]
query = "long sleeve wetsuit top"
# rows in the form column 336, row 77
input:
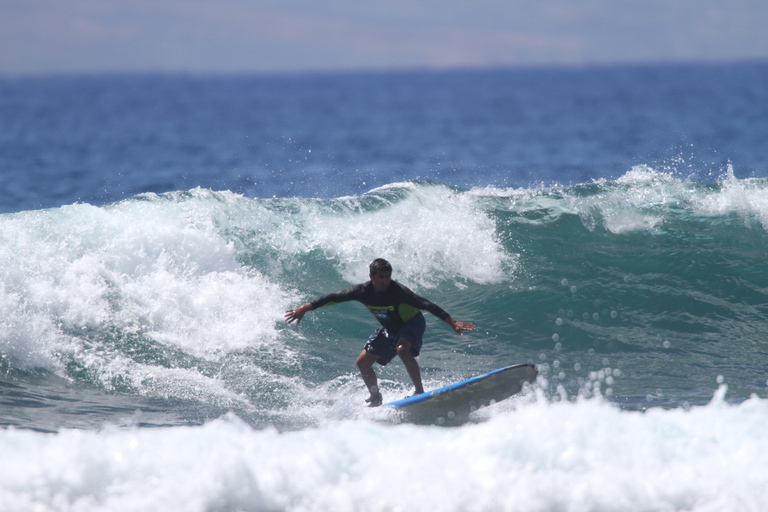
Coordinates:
column 392, row 308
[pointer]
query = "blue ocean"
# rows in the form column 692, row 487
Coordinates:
column 607, row 224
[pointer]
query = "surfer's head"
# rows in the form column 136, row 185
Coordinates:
column 381, row 274
column 379, row 265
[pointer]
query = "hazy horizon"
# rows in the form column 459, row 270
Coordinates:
column 296, row 36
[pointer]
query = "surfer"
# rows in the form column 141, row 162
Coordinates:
column 398, row 310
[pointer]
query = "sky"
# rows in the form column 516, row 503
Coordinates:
column 276, row 36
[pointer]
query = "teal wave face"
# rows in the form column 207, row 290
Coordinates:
column 664, row 275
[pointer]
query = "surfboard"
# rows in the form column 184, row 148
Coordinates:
column 454, row 403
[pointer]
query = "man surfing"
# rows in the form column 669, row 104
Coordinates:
column 398, row 310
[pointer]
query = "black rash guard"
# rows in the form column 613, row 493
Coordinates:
column 392, row 308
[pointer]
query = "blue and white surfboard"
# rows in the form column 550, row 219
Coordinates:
column 455, row 402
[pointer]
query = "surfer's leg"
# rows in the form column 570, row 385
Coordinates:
column 409, row 347
column 405, row 352
column 380, row 348
column 365, row 363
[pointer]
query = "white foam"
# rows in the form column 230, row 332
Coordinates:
column 747, row 198
column 645, row 175
column 645, row 197
column 154, row 267
column 586, row 455
column 640, row 200
column 429, row 235
column 637, row 201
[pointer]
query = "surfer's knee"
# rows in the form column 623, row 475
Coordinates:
column 365, row 360
column 404, row 349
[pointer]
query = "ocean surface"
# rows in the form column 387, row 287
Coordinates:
column 608, row 224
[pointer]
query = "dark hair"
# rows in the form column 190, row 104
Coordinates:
column 379, row 265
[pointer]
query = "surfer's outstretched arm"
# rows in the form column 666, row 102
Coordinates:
column 352, row 293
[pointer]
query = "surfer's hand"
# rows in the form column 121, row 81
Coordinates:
column 298, row 313
column 460, row 327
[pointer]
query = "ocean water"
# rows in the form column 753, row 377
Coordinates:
column 609, row 225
